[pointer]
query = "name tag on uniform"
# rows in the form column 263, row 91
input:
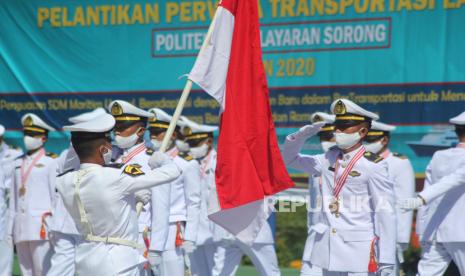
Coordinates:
column 331, row 169
column 39, row 165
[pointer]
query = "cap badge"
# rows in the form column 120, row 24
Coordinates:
column 317, row 118
column 340, row 108
column 28, row 121
column 116, row 109
column 187, row 131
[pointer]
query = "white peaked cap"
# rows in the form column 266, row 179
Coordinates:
column 376, row 125
column 323, row 117
column 458, row 120
column 196, row 127
column 87, row 116
column 160, row 115
column 347, row 110
column 124, row 111
column 32, row 122
column 163, row 116
column 100, row 124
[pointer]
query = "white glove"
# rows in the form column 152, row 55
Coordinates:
column 143, row 196
column 386, row 270
column 308, row 131
column 401, row 247
column 188, row 247
column 158, row 159
column 409, row 204
column 155, row 262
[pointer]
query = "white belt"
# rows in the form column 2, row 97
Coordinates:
column 112, row 240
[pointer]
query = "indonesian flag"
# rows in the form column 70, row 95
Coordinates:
column 249, row 167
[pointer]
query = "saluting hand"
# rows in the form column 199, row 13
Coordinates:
column 308, row 131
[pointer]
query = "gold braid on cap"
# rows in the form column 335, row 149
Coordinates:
column 327, row 128
column 375, row 133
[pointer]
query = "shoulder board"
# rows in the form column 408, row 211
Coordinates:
column 185, row 156
column 372, row 157
column 400, row 156
column 149, row 151
column 133, row 170
column 114, row 165
column 63, row 173
column 51, row 154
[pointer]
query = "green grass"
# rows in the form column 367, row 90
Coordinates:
column 242, row 271
column 251, row 271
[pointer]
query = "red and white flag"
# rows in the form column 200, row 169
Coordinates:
column 249, row 166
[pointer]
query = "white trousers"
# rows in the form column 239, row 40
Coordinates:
column 310, row 270
column 6, row 257
column 34, row 257
column 202, row 260
column 229, row 254
column 436, row 257
column 63, row 259
column 172, row 258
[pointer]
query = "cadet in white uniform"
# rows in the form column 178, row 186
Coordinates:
column 131, row 123
column 34, row 180
column 402, row 176
column 201, row 258
column 327, row 141
column 185, row 199
column 440, row 223
column 101, row 199
column 64, row 235
column 7, row 155
column 358, row 222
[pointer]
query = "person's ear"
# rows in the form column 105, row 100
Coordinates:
column 44, row 139
column 141, row 132
column 363, row 132
column 385, row 141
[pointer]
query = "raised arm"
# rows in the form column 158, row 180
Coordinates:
column 164, row 171
column 293, row 145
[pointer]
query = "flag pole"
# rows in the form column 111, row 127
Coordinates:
column 181, row 102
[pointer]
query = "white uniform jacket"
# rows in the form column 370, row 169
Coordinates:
column 106, row 195
column 401, row 174
column 343, row 243
column 441, row 218
column 30, row 205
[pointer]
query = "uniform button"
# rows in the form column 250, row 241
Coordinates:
column 334, row 231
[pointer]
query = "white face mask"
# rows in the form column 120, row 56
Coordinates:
column 107, row 157
column 326, row 145
column 199, row 152
column 156, row 145
column 345, row 140
column 32, row 143
column 182, row 146
column 374, row 147
column 127, row 142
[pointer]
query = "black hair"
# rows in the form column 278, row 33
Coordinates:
column 86, row 147
column 460, row 130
